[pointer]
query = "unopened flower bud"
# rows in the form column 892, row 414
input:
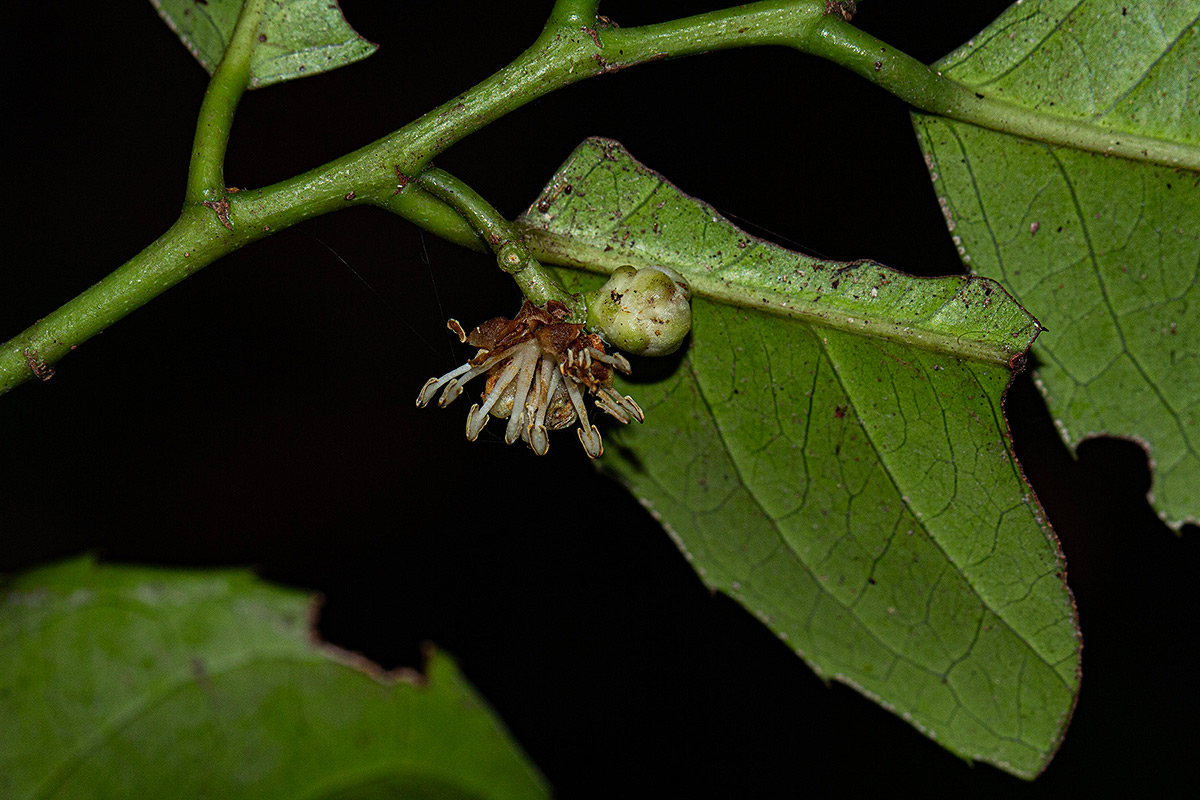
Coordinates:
column 646, row 312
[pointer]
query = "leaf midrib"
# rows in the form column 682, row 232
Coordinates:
column 555, row 249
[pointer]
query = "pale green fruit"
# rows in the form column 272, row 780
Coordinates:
column 646, row 312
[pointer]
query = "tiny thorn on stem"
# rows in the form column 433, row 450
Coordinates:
column 222, row 208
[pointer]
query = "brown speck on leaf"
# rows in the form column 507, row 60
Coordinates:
column 544, row 202
column 878, row 66
column 839, row 411
column 349, row 195
column 262, row 37
column 222, row 208
column 1033, row 228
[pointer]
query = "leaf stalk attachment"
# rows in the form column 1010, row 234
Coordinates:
column 206, row 172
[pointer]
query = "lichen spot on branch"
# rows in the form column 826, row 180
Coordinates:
column 538, row 368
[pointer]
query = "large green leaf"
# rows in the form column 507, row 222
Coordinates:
column 297, row 38
column 1106, row 251
column 832, row 453
column 134, row 682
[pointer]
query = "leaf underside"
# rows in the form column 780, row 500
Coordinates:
column 1106, row 251
column 297, row 38
column 831, row 452
column 136, row 682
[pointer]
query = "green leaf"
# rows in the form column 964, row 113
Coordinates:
column 1104, row 250
column 297, row 38
column 831, row 452
column 137, row 682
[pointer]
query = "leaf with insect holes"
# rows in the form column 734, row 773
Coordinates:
column 297, row 38
column 1106, row 251
column 831, row 451
column 140, row 682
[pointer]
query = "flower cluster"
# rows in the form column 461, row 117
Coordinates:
column 538, row 366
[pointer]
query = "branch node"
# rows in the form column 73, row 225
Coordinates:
column 401, row 180
column 222, row 208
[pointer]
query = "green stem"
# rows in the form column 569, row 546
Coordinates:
column 187, row 246
column 420, row 207
column 206, row 172
column 536, row 282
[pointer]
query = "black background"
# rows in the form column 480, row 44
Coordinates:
column 262, row 412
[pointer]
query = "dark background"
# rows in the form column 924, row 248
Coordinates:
column 262, row 413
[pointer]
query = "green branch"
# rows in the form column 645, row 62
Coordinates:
column 929, row 90
column 575, row 45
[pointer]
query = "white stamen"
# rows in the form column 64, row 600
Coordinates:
column 450, row 393
column 475, row 422
column 633, row 408
column 538, row 440
column 590, row 439
column 479, row 415
column 529, row 359
column 616, row 359
column 591, row 442
column 433, row 384
column 605, row 403
column 548, row 386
